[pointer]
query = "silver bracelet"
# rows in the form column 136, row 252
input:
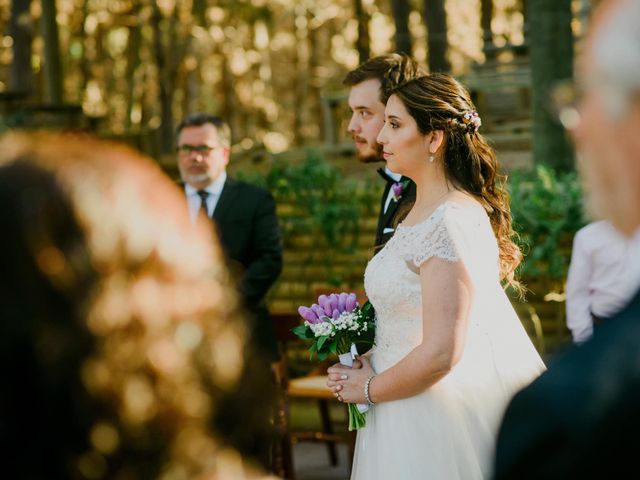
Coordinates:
column 366, row 390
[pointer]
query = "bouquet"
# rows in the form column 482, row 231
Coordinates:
column 335, row 325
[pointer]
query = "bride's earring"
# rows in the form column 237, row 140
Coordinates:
column 431, row 158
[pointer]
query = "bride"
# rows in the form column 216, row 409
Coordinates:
column 450, row 351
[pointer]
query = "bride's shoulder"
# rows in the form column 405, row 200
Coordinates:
column 462, row 204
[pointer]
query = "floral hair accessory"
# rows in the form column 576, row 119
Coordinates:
column 472, row 121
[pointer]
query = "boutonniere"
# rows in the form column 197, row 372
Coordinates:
column 398, row 189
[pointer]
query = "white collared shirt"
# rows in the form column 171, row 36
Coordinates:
column 601, row 278
column 396, row 177
column 214, row 189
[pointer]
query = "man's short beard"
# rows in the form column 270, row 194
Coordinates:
column 374, row 157
column 196, row 179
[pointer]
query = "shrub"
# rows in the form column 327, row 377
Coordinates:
column 547, row 210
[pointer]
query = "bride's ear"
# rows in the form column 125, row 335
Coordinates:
column 435, row 140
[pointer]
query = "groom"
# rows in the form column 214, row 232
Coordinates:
column 370, row 85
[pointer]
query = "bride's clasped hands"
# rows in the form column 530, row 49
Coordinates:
column 348, row 383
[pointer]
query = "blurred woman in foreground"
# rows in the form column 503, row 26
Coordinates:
column 119, row 331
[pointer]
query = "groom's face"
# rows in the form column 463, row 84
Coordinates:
column 367, row 119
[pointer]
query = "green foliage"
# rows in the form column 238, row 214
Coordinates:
column 327, row 205
column 546, row 207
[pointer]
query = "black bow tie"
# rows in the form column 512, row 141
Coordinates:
column 384, row 175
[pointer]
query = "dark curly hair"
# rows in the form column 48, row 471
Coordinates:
column 440, row 102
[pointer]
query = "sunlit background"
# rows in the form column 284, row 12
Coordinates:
column 264, row 65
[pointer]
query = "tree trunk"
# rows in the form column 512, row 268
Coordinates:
column 314, row 90
column 229, row 110
column 435, row 18
column 193, row 77
column 167, row 65
column 133, row 61
column 52, row 67
column 401, row 9
column 299, row 80
column 486, row 15
column 526, row 19
column 21, row 75
column 362, row 44
column 551, row 60
column 83, row 63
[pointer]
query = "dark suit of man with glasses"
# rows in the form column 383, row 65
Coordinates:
column 245, row 219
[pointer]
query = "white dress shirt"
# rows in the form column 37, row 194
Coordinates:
column 214, row 189
column 601, row 278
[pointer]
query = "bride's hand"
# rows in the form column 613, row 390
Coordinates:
column 347, row 384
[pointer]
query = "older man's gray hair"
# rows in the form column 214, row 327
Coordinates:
column 616, row 57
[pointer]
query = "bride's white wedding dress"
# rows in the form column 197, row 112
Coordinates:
column 448, row 431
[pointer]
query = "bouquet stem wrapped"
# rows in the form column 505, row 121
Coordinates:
column 333, row 326
column 357, row 417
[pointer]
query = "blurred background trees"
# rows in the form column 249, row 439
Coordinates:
column 136, row 66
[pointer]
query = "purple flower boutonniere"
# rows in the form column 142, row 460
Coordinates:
column 398, row 189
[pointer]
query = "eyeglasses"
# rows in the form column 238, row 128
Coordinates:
column 187, row 149
column 566, row 97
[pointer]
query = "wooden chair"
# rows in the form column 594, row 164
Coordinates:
column 312, row 386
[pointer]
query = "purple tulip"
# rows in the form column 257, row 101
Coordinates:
column 318, row 310
column 351, row 302
column 333, row 301
column 323, row 300
column 336, row 314
column 308, row 315
column 342, row 300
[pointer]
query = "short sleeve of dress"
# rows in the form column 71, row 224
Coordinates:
column 434, row 240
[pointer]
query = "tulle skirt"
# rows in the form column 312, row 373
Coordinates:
column 448, row 432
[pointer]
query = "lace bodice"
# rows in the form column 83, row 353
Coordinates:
column 453, row 232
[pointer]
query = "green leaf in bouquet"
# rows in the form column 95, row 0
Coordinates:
column 321, row 341
column 365, row 341
column 312, row 349
column 302, row 331
column 357, row 419
column 368, row 310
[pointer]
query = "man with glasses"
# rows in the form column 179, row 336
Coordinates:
column 246, row 222
column 245, row 215
column 581, row 419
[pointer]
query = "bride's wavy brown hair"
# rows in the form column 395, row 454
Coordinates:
column 440, row 102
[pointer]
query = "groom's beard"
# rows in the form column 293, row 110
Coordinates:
column 372, row 156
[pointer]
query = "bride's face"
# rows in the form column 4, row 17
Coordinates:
column 404, row 148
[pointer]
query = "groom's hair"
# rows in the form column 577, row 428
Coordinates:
column 390, row 70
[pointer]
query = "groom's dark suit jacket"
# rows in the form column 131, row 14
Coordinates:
column 247, row 225
column 580, row 419
column 388, row 220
